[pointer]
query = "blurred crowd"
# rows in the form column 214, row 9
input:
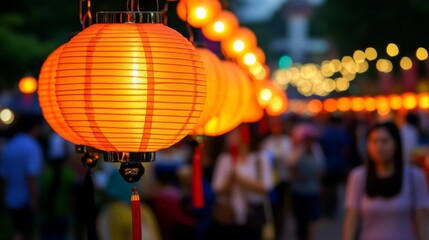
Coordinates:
column 258, row 179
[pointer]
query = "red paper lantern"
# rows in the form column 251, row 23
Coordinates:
column 198, row 12
column 130, row 86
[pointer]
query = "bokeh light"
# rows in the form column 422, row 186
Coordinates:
column 409, row 100
column 370, row 53
column 330, row 105
column 421, row 54
column 392, row 49
column 7, row 116
column 406, row 63
column 27, row 85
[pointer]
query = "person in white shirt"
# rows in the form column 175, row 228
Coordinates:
column 243, row 178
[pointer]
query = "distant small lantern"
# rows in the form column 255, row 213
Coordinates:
column 198, row 13
column 221, row 27
column 239, row 42
column 27, row 85
column 277, row 105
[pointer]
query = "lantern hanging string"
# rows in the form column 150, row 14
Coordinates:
column 87, row 16
column 188, row 26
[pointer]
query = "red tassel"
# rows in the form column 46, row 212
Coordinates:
column 136, row 215
column 197, row 180
column 245, row 134
column 233, row 150
column 263, row 127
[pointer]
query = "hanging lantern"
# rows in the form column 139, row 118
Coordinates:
column 423, row 100
column 395, row 102
column 358, row 104
column 27, row 85
column 221, row 27
column 264, row 91
column 251, row 57
column 277, row 105
column 330, row 105
column 231, row 112
column 130, row 84
column 198, row 12
column 409, row 100
column 216, row 90
column 369, row 104
column 253, row 111
column 259, row 71
column 239, row 42
column 48, row 100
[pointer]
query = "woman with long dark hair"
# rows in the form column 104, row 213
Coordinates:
column 386, row 199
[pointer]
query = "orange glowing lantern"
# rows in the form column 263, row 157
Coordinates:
column 409, row 100
column 357, row 104
column 215, row 79
column 264, row 91
column 251, row 57
column 221, row 27
column 330, row 105
column 344, row 104
column 259, row 71
column 239, row 42
column 253, row 111
column 278, row 102
column 382, row 104
column 423, row 100
column 27, row 85
column 130, row 86
column 370, row 104
column 395, row 102
column 231, row 112
column 48, row 100
column 198, row 12
column 315, row 106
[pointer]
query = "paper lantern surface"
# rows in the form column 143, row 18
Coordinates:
column 48, row 100
column 231, row 112
column 198, row 13
column 130, row 87
column 221, row 27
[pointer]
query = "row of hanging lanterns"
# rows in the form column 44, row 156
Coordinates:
column 128, row 86
column 382, row 104
column 237, row 43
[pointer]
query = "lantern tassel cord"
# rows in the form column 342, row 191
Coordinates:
column 89, row 205
column 136, row 214
column 197, row 179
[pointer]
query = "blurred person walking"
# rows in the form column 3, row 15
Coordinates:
column 335, row 144
column 20, row 167
column 242, row 179
column 56, row 190
column 279, row 145
column 387, row 198
column 306, row 168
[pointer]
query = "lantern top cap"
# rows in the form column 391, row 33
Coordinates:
column 130, row 17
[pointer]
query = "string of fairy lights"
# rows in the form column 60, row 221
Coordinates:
column 336, row 74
